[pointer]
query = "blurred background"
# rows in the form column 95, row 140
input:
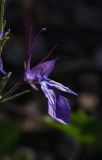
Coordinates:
column 26, row 131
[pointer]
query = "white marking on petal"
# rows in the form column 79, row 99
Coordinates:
column 59, row 86
column 48, row 92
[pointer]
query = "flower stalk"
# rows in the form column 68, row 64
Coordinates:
column 1, row 15
column 3, row 36
column 1, row 22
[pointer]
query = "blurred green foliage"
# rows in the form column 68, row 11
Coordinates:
column 20, row 157
column 9, row 134
column 82, row 127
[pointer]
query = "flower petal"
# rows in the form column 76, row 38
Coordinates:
column 43, row 69
column 58, row 106
column 33, row 86
column 62, row 109
column 59, row 86
column 1, row 35
column 49, row 93
column 1, row 67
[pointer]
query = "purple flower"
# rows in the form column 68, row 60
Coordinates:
column 2, row 72
column 58, row 106
column 1, row 35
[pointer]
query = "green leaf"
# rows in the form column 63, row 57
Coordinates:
column 3, row 81
column 14, row 96
column 3, row 41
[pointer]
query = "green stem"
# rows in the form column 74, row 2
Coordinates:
column 15, row 96
column 1, row 14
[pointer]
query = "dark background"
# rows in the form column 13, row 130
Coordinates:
column 77, row 27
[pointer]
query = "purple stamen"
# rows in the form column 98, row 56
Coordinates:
column 29, row 46
column 36, row 39
column 32, row 48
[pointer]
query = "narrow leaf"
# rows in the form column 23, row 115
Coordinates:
column 14, row 96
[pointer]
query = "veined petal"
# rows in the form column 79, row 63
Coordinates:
column 43, row 69
column 58, row 106
column 49, row 93
column 59, row 86
column 62, row 109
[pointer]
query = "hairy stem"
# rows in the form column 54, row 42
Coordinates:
column 1, row 14
column 13, row 89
